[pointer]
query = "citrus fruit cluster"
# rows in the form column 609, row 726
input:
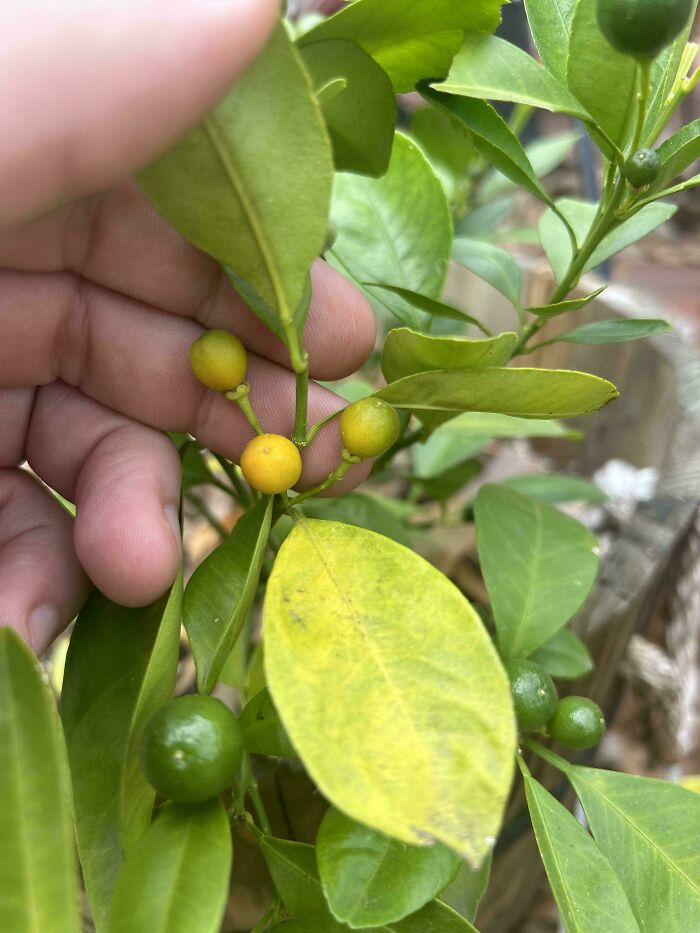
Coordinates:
column 271, row 463
column 574, row 721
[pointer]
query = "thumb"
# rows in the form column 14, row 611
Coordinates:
column 89, row 91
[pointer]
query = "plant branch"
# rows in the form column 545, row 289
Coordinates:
column 347, row 462
column 549, row 756
column 312, row 432
column 300, row 437
column 241, row 397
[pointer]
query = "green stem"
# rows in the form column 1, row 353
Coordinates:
column 240, row 490
column 331, row 480
column 522, row 764
column 250, row 786
column 262, row 923
column 606, row 220
column 549, row 756
column 241, row 397
column 302, row 400
column 312, row 432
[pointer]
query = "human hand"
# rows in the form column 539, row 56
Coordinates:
column 100, row 301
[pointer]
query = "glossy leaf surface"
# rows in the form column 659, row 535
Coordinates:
column 407, row 352
column 38, row 867
column 221, row 591
column 385, row 237
column 230, row 190
column 120, row 668
column 587, row 890
column 538, row 565
column 436, row 763
column 361, row 116
column 648, row 830
column 409, row 42
column 564, row 656
column 369, row 879
column 177, row 879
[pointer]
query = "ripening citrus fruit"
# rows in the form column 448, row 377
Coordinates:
column 191, row 749
column 369, row 427
column 641, row 28
column 642, row 168
column 577, row 723
column 271, row 464
column 534, row 694
column 219, row 360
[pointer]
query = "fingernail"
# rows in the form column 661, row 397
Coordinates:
column 42, row 626
column 172, row 516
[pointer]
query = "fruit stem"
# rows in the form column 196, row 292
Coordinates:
column 334, row 477
column 312, row 432
column 302, row 400
column 250, row 786
column 241, row 397
column 606, row 220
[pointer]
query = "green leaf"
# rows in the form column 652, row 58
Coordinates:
column 263, row 732
column 491, row 136
column 603, row 79
column 544, row 155
column 436, row 763
column 564, row 656
column 648, row 830
column 587, row 890
column 38, row 870
column 120, row 668
column 550, row 24
column 563, row 307
column 428, row 306
column 177, row 880
column 492, row 264
column 489, row 67
column 668, row 70
column 361, row 509
column 616, row 331
column 468, row 433
column 409, row 42
column 580, row 215
column 538, row 565
column 362, row 116
column 525, row 393
column 293, row 869
column 370, row 879
column 446, row 145
column 450, row 482
column 555, row 487
column 464, row 894
column 227, row 185
column 386, row 237
column 407, row 352
column 221, row 591
column 677, row 153
column 483, row 221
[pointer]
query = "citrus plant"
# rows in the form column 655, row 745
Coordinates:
column 408, row 709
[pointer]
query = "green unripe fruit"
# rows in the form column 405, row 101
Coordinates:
column 369, row 427
column 534, row 694
column 191, row 749
column 642, row 168
column 219, row 360
column 577, row 723
column 642, row 28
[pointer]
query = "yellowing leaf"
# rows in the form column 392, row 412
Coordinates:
column 389, row 687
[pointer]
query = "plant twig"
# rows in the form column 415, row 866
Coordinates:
column 241, row 397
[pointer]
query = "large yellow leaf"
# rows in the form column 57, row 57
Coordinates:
column 389, row 687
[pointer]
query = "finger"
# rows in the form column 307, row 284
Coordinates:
column 135, row 360
column 15, row 412
column 119, row 241
column 42, row 585
column 90, row 91
column 125, row 481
